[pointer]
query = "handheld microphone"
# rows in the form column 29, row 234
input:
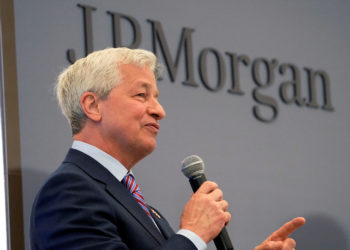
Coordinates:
column 193, row 169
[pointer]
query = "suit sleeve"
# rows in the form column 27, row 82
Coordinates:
column 177, row 242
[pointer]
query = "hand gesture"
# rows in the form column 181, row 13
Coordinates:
column 279, row 240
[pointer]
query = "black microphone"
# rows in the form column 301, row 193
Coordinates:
column 193, row 169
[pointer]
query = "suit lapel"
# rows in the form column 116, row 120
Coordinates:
column 115, row 188
column 162, row 223
column 122, row 195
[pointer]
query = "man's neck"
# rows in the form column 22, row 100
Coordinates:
column 128, row 159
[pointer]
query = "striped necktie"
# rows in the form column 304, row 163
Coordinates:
column 130, row 183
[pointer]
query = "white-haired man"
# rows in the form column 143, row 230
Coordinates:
column 92, row 201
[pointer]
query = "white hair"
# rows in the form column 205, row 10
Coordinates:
column 98, row 73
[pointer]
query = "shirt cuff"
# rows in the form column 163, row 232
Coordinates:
column 196, row 240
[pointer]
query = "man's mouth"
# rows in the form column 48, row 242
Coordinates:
column 153, row 126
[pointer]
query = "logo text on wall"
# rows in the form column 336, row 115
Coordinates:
column 262, row 70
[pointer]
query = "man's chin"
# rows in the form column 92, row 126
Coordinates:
column 149, row 147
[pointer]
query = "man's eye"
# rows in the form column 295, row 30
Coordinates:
column 141, row 94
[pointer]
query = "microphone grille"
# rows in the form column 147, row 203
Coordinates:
column 192, row 165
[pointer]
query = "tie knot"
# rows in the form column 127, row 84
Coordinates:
column 130, row 183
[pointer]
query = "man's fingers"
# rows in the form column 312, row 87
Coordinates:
column 279, row 239
column 289, row 244
column 207, row 187
column 283, row 232
column 216, row 194
column 228, row 217
column 269, row 245
column 223, row 205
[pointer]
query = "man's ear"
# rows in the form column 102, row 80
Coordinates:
column 89, row 102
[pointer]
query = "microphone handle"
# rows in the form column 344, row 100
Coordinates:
column 222, row 241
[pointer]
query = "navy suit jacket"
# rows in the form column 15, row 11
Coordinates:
column 83, row 206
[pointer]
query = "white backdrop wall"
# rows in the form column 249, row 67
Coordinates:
column 296, row 165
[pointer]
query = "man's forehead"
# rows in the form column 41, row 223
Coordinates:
column 134, row 71
column 132, row 82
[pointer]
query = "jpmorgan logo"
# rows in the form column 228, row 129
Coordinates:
column 304, row 87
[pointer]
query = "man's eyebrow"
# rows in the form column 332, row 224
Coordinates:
column 145, row 85
column 148, row 86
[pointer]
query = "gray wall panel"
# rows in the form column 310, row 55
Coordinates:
column 297, row 165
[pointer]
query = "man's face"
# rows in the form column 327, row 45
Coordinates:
column 131, row 112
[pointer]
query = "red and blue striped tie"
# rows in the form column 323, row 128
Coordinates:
column 130, row 183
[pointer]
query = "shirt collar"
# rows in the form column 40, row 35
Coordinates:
column 110, row 163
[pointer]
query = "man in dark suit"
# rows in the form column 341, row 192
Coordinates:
column 92, row 201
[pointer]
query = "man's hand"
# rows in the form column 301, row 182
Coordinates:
column 279, row 240
column 206, row 212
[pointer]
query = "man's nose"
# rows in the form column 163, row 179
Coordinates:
column 156, row 110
